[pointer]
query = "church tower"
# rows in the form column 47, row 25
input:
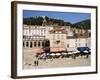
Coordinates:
column 44, row 21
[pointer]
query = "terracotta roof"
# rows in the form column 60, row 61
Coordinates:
column 58, row 30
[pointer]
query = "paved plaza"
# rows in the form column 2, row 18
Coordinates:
column 29, row 58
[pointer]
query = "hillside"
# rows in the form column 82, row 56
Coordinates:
column 85, row 24
column 49, row 21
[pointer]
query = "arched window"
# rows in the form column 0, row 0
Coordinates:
column 31, row 44
column 35, row 44
column 27, row 44
column 42, row 43
column 38, row 43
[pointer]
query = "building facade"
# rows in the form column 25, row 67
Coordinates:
column 34, row 36
column 58, row 38
column 64, row 37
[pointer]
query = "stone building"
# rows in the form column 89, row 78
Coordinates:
column 58, row 38
column 63, row 37
column 73, row 43
column 33, row 36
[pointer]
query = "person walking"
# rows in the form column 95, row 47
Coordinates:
column 37, row 62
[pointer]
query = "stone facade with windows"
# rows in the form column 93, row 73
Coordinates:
column 62, row 37
column 58, row 38
column 73, row 43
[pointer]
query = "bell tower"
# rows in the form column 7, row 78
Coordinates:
column 44, row 21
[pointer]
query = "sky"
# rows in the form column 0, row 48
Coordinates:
column 71, row 17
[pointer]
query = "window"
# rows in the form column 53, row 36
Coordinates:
column 53, row 37
column 23, row 44
column 76, row 45
column 79, row 45
column 36, row 37
column 24, row 36
column 39, row 43
column 27, row 44
column 76, row 40
column 58, row 41
column 86, row 44
column 43, row 43
column 35, row 44
column 62, row 43
column 31, row 44
column 62, row 36
column 57, row 36
column 68, row 45
column 42, row 32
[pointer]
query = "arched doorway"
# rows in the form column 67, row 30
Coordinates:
column 30, row 44
column 38, row 43
column 27, row 44
column 35, row 44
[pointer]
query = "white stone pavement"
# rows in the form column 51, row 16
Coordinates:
column 29, row 57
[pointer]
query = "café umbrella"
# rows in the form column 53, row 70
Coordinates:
column 58, row 54
column 39, row 50
column 52, row 54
